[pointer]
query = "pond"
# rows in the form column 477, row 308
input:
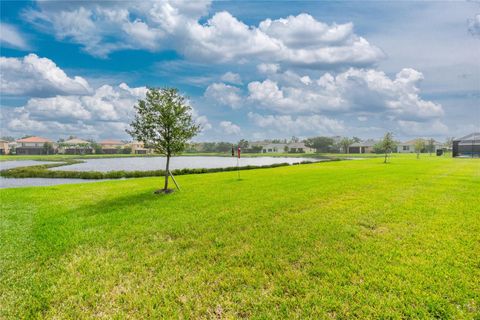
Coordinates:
column 20, row 163
column 37, row 182
column 158, row 163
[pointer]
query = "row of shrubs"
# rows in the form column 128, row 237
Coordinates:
column 41, row 171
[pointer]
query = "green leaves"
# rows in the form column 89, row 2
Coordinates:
column 164, row 121
column 320, row 144
column 387, row 144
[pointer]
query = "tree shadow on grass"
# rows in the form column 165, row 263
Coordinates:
column 126, row 203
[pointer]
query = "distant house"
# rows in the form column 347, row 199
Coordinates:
column 467, row 146
column 4, row 148
column 12, row 146
column 111, row 146
column 274, row 148
column 139, row 148
column 294, row 147
column 366, row 146
column 409, row 146
column 35, row 146
column 299, row 147
column 76, row 146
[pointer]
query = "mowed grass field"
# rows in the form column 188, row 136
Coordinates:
column 337, row 240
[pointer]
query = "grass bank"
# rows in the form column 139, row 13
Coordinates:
column 335, row 240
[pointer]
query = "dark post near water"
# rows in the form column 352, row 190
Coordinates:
column 238, row 158
column 238, row 162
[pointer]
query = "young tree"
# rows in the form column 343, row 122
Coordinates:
column 356, row 140
column 419, row 146
column 164, row 121
column 48, row 148
column 243, row 144
column 209, row 147
column 431, row 146
column 223, row 146
column 320, row 144
column 95, row 146
column 448, row 144
column 345, row 143
column 387, row 144
column 294, row 139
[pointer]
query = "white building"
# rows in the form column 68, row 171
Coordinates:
column 299, row 147
column 294, row 147
column 274, row 148
column 409, row 146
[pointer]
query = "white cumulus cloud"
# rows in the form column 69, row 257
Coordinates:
column 224, row 94
column 231, row 77
column 105, row 27
column 268, row 68
column 106, row 112
column 353, row 90
column 32, row 75
column 98, row 111
column 229, row 128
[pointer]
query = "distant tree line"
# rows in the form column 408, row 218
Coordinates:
column 324, row 144
column 223, row 147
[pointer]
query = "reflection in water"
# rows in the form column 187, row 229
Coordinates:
column 4, row 165
column 37, row 182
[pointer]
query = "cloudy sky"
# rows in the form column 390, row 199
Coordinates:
column 250, row 69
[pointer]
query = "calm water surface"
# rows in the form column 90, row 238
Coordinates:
column 38, row 182
column 158, row 163
column 32, row 182
column 20, row 163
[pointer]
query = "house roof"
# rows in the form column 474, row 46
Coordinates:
column 111, row 142
column 76, row 141
column 475, row 136
column 34, row 140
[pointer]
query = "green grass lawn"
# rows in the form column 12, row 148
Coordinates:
column 336, row 240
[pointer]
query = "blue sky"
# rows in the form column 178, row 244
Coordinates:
column 260, row 69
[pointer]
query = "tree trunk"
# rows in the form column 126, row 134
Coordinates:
column 385, row 161
column 167, row 172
